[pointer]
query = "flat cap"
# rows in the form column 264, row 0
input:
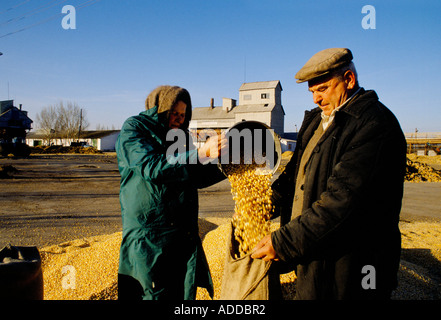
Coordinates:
column 323, row 62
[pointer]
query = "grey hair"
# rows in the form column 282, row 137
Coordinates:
column 339, row 72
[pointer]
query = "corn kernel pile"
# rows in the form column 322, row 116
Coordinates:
column 417, row 171
column 81, row 269
column 251, row 191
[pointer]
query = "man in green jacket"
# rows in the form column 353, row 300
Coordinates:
column 161, row 255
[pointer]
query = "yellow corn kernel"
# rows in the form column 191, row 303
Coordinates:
column 252, row 195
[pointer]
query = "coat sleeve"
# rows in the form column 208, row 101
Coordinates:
column 324, row 224
column 205, row 175
column 140, row 152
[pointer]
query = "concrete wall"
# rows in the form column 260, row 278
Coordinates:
column 277, row 120
column 107, row 143
column 264, row 117
column 287, row 145
column 273, row 96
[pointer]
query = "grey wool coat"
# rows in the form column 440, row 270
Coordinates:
column 352, row 200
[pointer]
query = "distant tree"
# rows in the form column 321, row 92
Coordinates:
column 47, row 121
column 63, row 120
column 102, row 127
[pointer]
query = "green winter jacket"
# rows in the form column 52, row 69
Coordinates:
column 161, row 247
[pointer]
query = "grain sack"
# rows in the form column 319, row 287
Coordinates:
column 245, row 278
column 21, row 276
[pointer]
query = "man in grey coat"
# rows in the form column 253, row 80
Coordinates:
column 339, row 197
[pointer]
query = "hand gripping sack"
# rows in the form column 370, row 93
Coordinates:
column 245, row 278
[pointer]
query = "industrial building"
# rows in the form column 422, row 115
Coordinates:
column 14, row 125
column 258, row 101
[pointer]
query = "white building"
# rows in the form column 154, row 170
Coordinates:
column 258, row 101
column 102, row 140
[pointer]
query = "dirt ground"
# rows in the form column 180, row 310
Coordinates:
column 54, row 198
column 47, row 200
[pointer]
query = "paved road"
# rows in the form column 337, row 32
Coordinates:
column 421, row 201
column 53, row 199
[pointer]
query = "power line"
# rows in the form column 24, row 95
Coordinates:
column 33, row 12
column 81, row 6
column 13, row 7
column 87, row 3
column 30, row 26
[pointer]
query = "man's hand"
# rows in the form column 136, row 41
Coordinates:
column 264, row 250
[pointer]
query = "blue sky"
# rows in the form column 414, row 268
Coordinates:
column 121, row 50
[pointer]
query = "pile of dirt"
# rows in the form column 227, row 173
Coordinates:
column 7, row 171
column 421, row 172
column 62, row 149
column 430, row 160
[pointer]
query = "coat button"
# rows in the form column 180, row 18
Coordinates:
column 317, row 149
column 302, row 187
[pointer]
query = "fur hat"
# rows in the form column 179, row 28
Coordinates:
column 165, row 97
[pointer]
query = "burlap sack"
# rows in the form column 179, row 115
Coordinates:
column 246, row 278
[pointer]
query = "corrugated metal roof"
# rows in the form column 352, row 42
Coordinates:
column 97, row 134
column 260, row 85
column 220, row 113
column 211, row 113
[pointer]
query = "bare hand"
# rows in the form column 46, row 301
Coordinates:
column 264, row 250
column 213, row 148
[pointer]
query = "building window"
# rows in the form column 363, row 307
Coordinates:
column 264, row 96
column 247, row 97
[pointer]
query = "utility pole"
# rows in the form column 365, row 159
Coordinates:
column 81, row 121
column 1, row 53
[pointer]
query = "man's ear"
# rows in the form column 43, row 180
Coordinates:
column 349, row 78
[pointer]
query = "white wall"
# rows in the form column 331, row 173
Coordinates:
column 107, row 143
column 287, row 145
column 264, row 117
column 255, row 97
